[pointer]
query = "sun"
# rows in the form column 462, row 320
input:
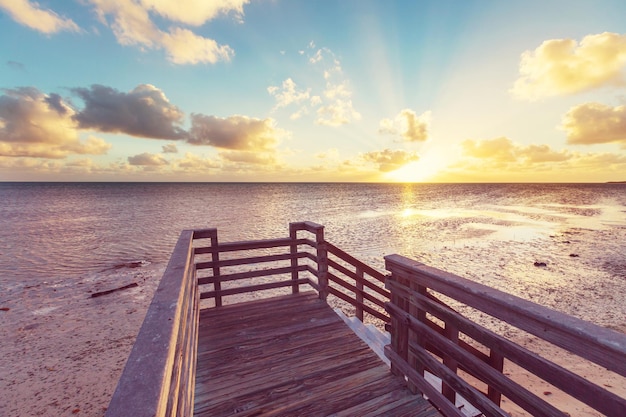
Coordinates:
column 426, row 169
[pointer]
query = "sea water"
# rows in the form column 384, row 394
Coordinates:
column 61, row 233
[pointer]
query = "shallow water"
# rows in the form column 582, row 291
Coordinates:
column 59, row 234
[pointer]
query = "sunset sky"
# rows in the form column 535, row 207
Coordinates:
column 301, row 90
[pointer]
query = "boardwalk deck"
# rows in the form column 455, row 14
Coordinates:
column 292, row 355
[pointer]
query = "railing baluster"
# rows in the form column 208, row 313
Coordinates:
column 215, row 257
column 359, row 293
column 293, row 250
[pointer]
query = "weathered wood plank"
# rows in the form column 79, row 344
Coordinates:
column 291, row 357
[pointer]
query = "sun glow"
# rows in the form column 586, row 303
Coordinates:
column 426, row 169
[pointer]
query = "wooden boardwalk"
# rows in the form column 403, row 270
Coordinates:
column 292, row 355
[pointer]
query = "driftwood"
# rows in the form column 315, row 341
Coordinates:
column 101, row 293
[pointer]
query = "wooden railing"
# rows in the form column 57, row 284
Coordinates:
column 428, row 335
column 327, row 269
column 159, row 376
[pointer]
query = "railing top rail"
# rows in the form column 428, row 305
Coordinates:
column 143, row 390
column 308, row 226
column 598, row 344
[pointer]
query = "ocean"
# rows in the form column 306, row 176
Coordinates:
column 60, row 233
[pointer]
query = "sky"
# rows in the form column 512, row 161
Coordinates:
column 313, row 91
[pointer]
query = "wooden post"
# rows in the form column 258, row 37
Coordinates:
column 215, row 257
column 322, row 262
column 452, row 333
column 359, row 293
column 496, row 360
column 399, row 330
column 293, row 250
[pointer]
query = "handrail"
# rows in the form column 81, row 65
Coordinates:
column 412, row 285
column 159, row 375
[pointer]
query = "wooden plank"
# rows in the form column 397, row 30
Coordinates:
column 352, row 301
column 380, row 290
column 291, row 357
column 250, row 260
column 251, row 288
column 247, row 274
column 248, row 245
column 355, row 262
column 356, row 291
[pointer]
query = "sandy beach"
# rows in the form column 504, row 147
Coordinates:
column 63, row 351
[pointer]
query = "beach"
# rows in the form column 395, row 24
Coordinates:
column 63, row 350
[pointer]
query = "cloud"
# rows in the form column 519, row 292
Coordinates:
column 147, row 159
column 170, row 148
column 288, row 94
column 185, row 47
column 192, row 162
column 563, row 66
column 143, row 112
column 593, row 123
column 338, row 113
column 331, row 100
column 33, row 124
column 132, row 25
column 407, row 125
column 503, row 151
column 249, row 157
column 32, row 15
column 389, row 160
column 18, row 66
column 196, row 12
column 235, row 133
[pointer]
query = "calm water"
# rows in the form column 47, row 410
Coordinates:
column 52, row 231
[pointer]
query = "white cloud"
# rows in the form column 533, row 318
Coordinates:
column 185, row 47
column 563, row 66
column 337, row 113
column 408, row 125
column 288, row 94
column 132, row 25
column 35, row 17
column 195, row 12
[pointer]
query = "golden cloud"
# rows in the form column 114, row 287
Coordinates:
column 408, row 125
column 32, row 15
column 33, row 124
column 593, row 123
column 503, row 150
column 563, row 66
column 389, row 160
column 147, row 159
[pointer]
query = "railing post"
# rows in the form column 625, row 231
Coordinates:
column 322, row 263
column 359, row 293
column 399, row 330
column 215, row 257
column 293, row 250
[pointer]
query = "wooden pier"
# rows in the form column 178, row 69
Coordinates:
column 292, row 355
column 229, row 332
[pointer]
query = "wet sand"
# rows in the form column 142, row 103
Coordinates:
column 63, row 352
